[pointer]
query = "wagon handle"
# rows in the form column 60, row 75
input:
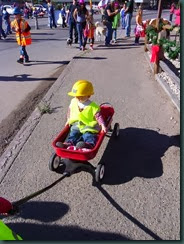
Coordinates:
column 106, row 104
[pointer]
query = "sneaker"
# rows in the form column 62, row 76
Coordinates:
column 20, row 61
column 26, row 60
column 82, row 144
column 72, row 148
column 62, row 144
column 91, row 47
column 108, row 45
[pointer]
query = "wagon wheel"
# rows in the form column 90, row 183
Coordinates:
column 116, row 130
column 110, row 128
column 54, row 162
column 99, row 172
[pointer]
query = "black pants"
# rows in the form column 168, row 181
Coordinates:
column 91, row 41
column 72, row 27
column 64, row 23
column 137, row 39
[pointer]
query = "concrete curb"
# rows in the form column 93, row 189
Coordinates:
column 164, row 85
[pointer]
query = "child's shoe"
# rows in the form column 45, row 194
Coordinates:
column 62, row 144
column 27, row 60
column 20, row 61
column 72, row 148
column 91, row 47
column 82, row 144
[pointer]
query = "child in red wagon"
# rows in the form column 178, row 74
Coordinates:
column 84, row 118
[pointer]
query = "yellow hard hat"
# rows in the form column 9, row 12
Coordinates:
column 82, row 88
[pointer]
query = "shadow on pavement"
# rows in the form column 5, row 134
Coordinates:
column 44, row 232
column 23, row 78
column 38, row 62
column 96, row 58
column 136, row 152
column 43, row 211
column 50, row 39
column 126, row 214
column 42, row 33
column 121, row 47
column 49, row 212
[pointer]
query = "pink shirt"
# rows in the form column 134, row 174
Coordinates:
column 177, row 13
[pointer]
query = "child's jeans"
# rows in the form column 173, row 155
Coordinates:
column 23, row 52
column 114, row 31
column 75, row 136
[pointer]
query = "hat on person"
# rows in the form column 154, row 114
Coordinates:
column 81, row 1
column 17, row 11
column 112, row 1
column 82, row 88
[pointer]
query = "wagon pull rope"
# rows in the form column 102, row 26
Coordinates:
column 25, row 199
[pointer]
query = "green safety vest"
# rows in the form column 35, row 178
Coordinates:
column 6, row 234
column 84, row 120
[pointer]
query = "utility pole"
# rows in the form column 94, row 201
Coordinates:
column 159, row 13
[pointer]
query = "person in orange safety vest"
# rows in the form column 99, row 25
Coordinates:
column 23, row 35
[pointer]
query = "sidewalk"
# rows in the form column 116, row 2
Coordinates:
column 142, row 175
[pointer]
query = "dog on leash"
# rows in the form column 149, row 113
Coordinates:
column 100, row 31
column 69, row 41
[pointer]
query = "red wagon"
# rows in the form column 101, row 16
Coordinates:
column 72, row 160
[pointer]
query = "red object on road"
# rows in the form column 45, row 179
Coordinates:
column 5, row 206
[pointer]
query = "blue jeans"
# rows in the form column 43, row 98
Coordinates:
column 80, row 30
column 114, row 31
column 75, row 136
column 51, row 19
column 8, row 28
column 23, row 52
column 128, row 24
column 1, row 28
column 123, row 22
column 108, row 37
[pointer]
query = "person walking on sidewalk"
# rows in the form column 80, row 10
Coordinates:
column 51, row 15
column 63, row 16
column 89, row 30
column 171, row 11
column 72, row 22
column 109, row 14
column 115, row 23
column 122, row 14
column 177, row 13
column 139, row 28
column 84, row 118
column 80, row 15
column 7, row 22
column 129, row 12
column 23, row 35
column 2, row 33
